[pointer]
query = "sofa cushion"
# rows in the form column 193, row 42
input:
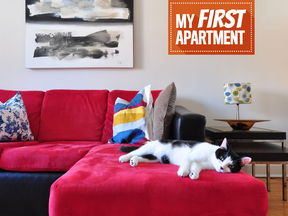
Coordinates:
column 133, row 121
column 16, row 144
column 49, row 156
column 164, row 111
column 99, row 180
column 33, row 104
column 113, row 95
column 73, row 115
column 14, row 124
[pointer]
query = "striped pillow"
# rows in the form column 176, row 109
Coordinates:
column 133, row 121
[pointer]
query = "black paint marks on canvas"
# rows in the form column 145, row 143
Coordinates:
column 62, row 44
column 29, row 2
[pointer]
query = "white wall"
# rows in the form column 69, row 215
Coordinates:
column 199, row 79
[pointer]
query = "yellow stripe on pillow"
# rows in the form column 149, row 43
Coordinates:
column 129, row 115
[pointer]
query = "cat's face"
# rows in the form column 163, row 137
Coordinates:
column 227, row 161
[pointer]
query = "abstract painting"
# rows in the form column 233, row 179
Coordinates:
column 79, row 33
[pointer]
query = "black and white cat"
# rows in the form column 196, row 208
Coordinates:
column 192, row 157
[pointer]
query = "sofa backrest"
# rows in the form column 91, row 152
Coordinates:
column 73, row 115
column 113, row 95
column 33, row 104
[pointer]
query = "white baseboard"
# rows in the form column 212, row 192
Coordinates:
column 271, row 176
column 260, row 170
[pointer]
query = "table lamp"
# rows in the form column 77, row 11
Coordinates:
column 236, row 94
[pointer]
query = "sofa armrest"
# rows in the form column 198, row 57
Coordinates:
column 187, row 125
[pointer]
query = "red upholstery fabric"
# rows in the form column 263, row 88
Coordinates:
column 16, row 144
column 33, row 104
column 73, row 115
column 113, row 95
column 100, row 185
column 50, row 156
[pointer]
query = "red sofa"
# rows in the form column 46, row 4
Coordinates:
column 71, row 153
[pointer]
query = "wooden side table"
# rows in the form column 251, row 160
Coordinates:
column 217, row 134
column 265, row 153
column 256, row 143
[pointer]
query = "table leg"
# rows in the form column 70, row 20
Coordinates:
column 284, row 179
column 253, row 170
column 268, row 177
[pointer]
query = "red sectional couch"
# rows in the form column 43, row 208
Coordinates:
column 71, row 153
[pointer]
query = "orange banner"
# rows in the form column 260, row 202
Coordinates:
column 211, row 27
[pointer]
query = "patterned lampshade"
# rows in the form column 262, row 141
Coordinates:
column 237, row 93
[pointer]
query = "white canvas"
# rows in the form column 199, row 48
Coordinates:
column 87, row 35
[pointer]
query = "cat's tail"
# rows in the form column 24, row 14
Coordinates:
column 127, row 149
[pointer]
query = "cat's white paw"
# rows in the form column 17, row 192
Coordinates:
column 134, row 161
column 124, row 158
column 194, row 174
column 182, row 173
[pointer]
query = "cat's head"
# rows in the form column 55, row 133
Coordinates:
column 227, row 161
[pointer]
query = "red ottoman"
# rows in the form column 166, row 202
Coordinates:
column 99, row 185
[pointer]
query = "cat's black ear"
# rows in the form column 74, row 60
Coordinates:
column 224, row 144
column 245, row 161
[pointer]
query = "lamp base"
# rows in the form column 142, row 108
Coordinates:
column 240, row 124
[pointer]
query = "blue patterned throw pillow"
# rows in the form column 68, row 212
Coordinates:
column 14, row 124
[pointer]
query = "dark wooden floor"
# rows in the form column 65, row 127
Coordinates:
column 277, row 207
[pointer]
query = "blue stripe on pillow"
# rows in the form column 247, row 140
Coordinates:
column 128, row 136
column 122, row 105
